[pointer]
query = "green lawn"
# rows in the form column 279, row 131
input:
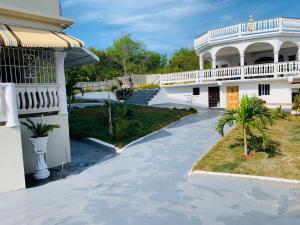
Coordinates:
column 92, row 122
column 226, row 155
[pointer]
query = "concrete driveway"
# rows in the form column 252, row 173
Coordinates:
column 149, row 185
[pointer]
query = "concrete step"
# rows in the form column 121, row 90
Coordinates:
column 142, row 97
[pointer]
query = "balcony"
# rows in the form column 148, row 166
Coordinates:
column 271, row 70
column 241, row 30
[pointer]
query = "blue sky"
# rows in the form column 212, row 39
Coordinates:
column 164, row 25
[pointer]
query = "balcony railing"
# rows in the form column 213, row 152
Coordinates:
column 8, row 109
column 244, row 29
column 26, row 99
column 2, row 104
column 272, row 70
column 37, row 98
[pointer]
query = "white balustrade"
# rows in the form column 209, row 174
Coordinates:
column 259, row 70
column 37, row 98
column 271, row 70
column 2, row 104
column 256, row 28
column 8, row 109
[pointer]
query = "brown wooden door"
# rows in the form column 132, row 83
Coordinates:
column 213, row 96
column 232, row 96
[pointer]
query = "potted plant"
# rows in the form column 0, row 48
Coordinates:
column 39, row 139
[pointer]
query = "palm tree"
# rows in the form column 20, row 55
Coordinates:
column 71, row 90
column 251, row 115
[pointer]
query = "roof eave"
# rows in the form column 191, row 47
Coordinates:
column 26, row 14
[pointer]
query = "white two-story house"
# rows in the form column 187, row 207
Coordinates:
column 34, row 51
column 255, row 58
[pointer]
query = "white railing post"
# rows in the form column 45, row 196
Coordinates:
column 276, row 60
column 11, row 106
column 240, row 30
column 280, row 24
column 60, row 79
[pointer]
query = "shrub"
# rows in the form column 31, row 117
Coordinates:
column 123, row 93
column 39, row 129
column 278, row 113
column 296, row 103
column 148, row 86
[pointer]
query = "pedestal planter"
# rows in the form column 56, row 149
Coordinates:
column 40, row 149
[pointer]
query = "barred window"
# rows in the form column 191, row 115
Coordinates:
column 263, row 89
column 27, row 66
column 196, row 91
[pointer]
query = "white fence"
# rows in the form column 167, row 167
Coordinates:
column 241, row 72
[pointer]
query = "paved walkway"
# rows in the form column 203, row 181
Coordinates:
column 148, row 185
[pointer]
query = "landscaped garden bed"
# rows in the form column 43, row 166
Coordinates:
column 130, row 122
column 284, row 162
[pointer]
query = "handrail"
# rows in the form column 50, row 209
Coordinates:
column 257, row 27
column 198, row 76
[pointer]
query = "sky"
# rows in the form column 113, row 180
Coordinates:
column 164, row 25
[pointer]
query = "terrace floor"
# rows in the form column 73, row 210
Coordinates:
column 149, row 184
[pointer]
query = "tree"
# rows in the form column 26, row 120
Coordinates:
column 251, row 115
column 183, row 59
column 125, row 52
column 72, row 78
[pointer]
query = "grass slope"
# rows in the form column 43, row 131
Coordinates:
column 92, row 122
column 225, row 156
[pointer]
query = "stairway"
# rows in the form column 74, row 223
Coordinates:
column 142, row 97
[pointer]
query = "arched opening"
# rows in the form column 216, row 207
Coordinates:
column 288, row 51
column 259, row 53
column 207, row 61
column 227, row 57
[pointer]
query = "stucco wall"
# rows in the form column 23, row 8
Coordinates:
column 47, row 7
column 280, row 93
column 179, row 95
column 11, row 160
column 58, row 146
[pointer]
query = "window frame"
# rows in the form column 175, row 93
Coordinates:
column 197, row 92
column 264, row 89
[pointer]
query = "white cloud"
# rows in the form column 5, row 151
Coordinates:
column 162, row 20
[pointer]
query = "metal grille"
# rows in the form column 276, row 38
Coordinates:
column 27, row 66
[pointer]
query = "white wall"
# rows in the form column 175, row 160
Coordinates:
column 280, row 92
column 47, row 7
column 58, row 146
column 179, row 94
column 11, row 160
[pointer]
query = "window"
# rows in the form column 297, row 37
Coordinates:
column 196, row 91
column 24, row 65
column 263, row 89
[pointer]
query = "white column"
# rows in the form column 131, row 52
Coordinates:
column 242, row 64
column 242, row 59
column 276, row 60
column 213, row 62
column 201, row 63
column 60, row 80
column 11, row 106
column 276, row 56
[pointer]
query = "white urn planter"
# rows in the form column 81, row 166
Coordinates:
column 40, row 149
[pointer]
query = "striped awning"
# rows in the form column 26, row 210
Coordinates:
column 14, row 36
